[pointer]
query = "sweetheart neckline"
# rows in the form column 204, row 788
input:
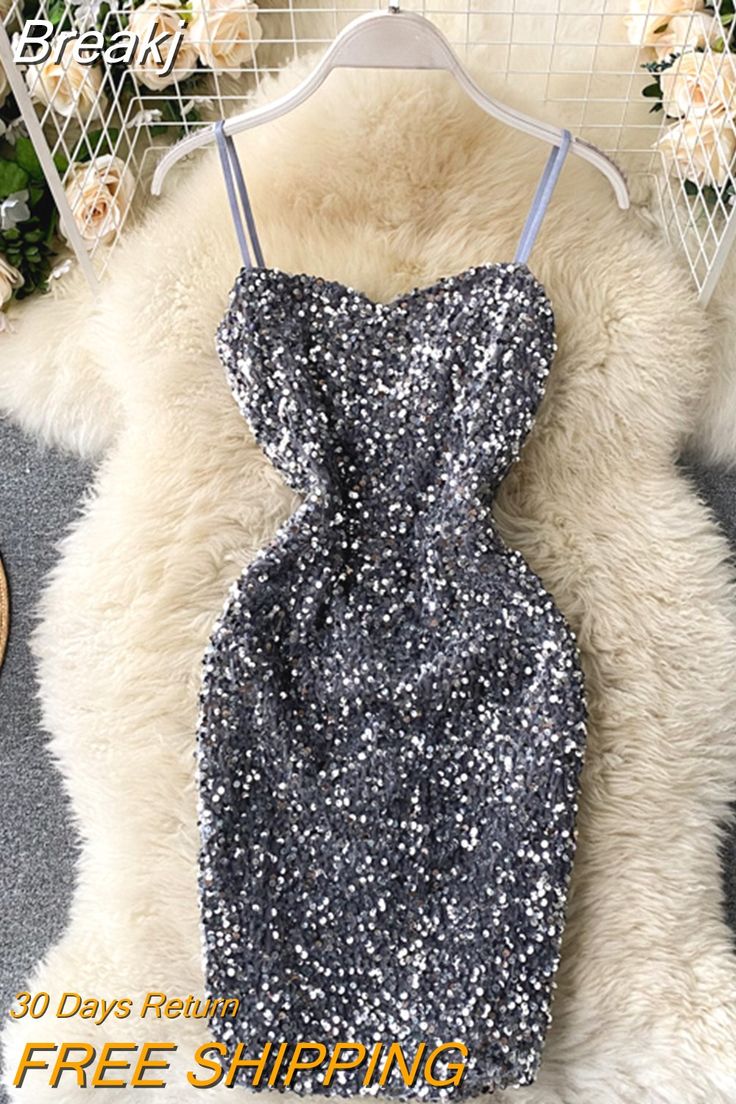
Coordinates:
column 418, row 290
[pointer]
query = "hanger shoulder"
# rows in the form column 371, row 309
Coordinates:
column 370, row 41
column 547, row 132
column 594, row 156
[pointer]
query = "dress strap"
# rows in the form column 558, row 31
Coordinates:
column 234, row 180
column 542, row 197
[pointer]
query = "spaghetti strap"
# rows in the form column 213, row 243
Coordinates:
column 237, row 194
column 542, row 197
column 234, row 179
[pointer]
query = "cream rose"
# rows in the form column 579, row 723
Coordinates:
column 69, row 87
column 698, row 84
column 225, row 33
column 702, row 150
column 692, row 31
column 99, row 193
column 648, row 19
column 160, row 17
column 10, row 280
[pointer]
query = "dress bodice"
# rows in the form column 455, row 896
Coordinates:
column 435, row 389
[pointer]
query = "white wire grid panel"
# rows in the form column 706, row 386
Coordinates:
column 576, row 57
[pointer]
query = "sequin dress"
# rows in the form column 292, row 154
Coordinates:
column 392, row 711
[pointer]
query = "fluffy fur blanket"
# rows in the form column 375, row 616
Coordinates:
column 387, row 181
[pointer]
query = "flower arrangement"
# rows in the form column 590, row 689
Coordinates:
column 690, row 56
column 83, row 97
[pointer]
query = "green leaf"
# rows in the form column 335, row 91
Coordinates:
column 26, row 157
column 96, row 144
column 51, row 228
column 691, row 188
column 13, row 178
column 36, row 192
column 652, row 90
column 56, row 12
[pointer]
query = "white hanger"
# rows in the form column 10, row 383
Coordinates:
column 393, row 40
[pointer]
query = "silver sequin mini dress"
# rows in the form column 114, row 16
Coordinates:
column 392, row 711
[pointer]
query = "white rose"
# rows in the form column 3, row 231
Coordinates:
column 648, row 19
column 99, row 193
column 692, row 31
column 10, row 279
column 699, row 83
column 69, row 87
column 159, row 17
column 702, row 150
column 225, row 33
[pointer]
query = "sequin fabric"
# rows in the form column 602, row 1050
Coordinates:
column 392, row 710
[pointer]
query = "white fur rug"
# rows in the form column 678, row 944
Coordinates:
column 388, row 181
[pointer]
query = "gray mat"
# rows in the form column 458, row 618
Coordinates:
column 718, row 488
column 39, row 494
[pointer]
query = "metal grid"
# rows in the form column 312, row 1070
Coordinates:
column 580, row 58
column 697, row 147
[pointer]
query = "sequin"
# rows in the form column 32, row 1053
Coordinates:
column 392, row 717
